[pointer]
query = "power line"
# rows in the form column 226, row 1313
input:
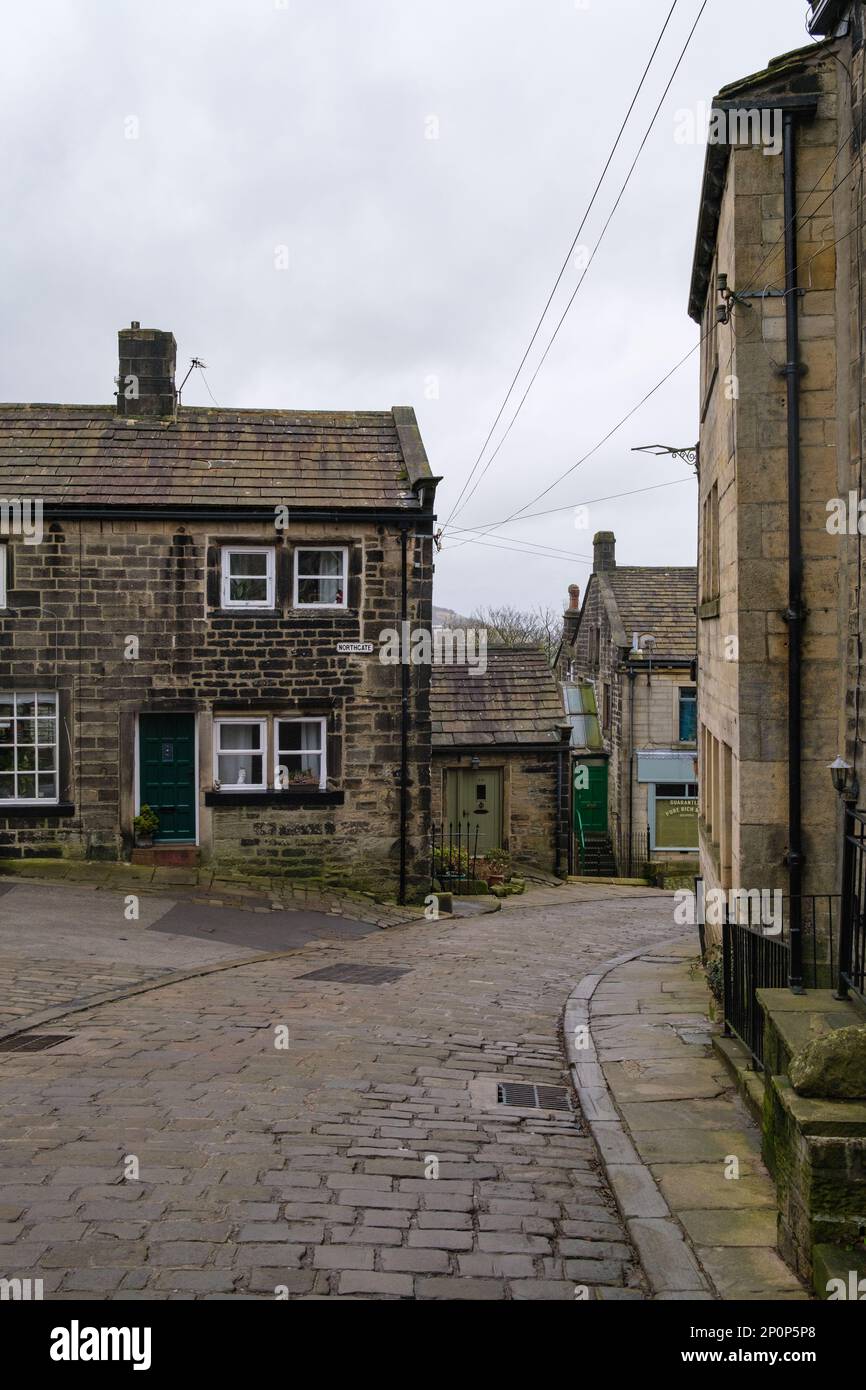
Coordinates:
column 484, row 526
column 536, row 545
column 596, row 249
column 540, row 554
column 565, row 263
column 602, row 442
column 751, row 282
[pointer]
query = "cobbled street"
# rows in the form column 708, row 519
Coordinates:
column 258, row 1132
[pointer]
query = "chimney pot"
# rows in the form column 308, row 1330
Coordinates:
column 145, row 381
column 571, row 616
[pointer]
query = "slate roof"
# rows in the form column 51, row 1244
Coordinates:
column 88, row 455
column 517, row 700
column 656, row 599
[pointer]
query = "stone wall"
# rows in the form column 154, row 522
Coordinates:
column 75, row 601
column 742, row 637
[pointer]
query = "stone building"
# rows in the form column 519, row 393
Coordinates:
column 500, row 756
column 626, row 664
column 775, row 291
column 178, row 635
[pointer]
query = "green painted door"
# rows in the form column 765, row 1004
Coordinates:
column 590, row 797
column 166, row 764
column 473, row 799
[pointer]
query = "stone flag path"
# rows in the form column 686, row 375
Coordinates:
column 259, row 1132
column 681, row 1152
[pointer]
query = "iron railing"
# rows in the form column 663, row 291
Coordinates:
column 760, row 950
column 453, row 856
column 852, row 944
column 751, row 962
column 632, row 853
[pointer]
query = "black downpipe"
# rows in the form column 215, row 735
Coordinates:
column 631, row 680
column 794, row 612
column 405, row 646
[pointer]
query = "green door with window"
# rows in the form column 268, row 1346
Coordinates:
column 473, row 801
column 590, row 797
column 166, row 766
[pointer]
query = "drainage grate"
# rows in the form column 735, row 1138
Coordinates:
column 529, row 1097
column 33, row 1042
column 358, row 974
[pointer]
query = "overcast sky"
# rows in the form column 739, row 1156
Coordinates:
column 425, row 164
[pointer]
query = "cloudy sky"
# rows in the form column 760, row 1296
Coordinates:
column 362, row 203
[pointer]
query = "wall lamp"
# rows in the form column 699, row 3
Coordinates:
column 844, row 779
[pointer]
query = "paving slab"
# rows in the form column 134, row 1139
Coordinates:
column 668, row 1123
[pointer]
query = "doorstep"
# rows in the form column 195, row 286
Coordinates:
column 168, row 856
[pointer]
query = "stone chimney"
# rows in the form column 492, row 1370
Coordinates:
column 145, row 380
column 604, row 551
column 572, row 613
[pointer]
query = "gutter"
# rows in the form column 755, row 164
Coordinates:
column 828, row 17
column 490, row 750
column 231, row 512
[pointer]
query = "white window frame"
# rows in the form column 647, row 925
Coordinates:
column 226, row 601
column 37, row 800
column 4, row 561
column 317, row 550
column 262, row 725
column 322, row 749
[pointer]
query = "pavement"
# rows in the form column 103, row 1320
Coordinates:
column 680, row 1150
column 235, row 1124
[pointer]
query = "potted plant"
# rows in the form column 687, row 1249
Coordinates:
column 145, row 825
column 303, row 779
column 497, row 863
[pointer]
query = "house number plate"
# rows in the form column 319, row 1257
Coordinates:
column 354, row 648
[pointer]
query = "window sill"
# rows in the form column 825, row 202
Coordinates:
column 710, row 608
column 52, row 810
column 273, row 799
column 284, row 614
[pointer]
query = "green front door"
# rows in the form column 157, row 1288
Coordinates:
column 166, row 763
column 473, row 801
column 590, row 797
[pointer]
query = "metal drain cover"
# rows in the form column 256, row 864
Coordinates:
column 525, row 1096
column 358, row 974
column 33, row 1042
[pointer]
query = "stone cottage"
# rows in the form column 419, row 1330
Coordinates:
column 626, row 666
column 500, row 750
column 196, row 627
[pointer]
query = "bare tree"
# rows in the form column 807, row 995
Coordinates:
column 512, row 627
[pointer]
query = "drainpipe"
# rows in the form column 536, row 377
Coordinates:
column 404, row 708
column 794, row 613
column 631, row 680
column 563, row 801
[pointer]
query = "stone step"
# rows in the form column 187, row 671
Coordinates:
column 175, row 856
